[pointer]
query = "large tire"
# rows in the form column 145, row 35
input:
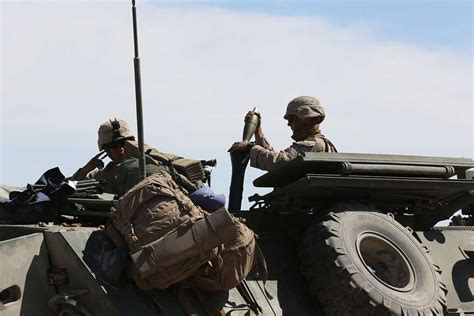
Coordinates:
column 366, row 263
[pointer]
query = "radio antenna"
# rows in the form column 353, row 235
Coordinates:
column 138, row 97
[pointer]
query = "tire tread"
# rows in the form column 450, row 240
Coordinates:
column 337, row 285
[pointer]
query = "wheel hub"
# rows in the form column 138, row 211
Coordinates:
column 385, row 261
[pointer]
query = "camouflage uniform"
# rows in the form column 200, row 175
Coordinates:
column 110, row 131
column 109, row 174
column 264, row 157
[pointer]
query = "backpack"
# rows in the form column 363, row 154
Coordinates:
column 192, row 169
column 231, row 265
column 128, row 174
column 168, row 237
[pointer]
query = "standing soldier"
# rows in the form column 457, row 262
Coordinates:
column 304, row 115
column 112, row 135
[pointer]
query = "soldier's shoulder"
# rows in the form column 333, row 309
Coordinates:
column 306, row 143
column 310, row 141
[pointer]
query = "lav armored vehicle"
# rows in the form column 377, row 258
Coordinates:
column 364, row 226
column 342, row 234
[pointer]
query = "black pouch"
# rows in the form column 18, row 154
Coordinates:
column 104, row 258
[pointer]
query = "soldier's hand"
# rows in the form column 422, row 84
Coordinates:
column 238, row 146
column 95, row 162
column 250, row 113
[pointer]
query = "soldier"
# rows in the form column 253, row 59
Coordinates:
column 112, row 135
column 304, row 115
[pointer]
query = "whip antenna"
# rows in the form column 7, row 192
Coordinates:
column 138, row 97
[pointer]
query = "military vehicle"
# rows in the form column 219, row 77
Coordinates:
column 343, row 234
column 358, row 227
column 364, row 226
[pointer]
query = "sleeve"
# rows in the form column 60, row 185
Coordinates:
column 267, row 159
column 264, row 143
column 77, row 176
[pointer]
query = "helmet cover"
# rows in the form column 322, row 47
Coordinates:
column 113, row 130
column 305, row 106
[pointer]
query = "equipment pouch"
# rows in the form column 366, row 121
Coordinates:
column 185, row 243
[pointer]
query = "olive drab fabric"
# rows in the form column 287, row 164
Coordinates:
column 169, row 238
column 109, row 174
column 190, row 168
column 119, row 176
column 232, row 264
column 128, row 174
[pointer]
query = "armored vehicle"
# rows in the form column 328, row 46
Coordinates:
column 342, row 234
column 364, row 226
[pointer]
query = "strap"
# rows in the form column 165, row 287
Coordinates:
column 168, row 162
column 147, row 263
column 176, row 175
column 155, row 154
column 328, row 146
column 248, row 297
column 173, row 172
column 261, row 260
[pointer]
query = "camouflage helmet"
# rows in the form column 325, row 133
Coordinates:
column 112, row 131
column 305, row 106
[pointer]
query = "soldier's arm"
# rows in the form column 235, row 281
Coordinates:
column 83, row 174
column 261, row 140
column 269, row 160
column 90, row 170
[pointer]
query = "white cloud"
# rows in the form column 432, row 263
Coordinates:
column 68, row 67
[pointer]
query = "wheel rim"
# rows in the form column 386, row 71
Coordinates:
column 385, row 261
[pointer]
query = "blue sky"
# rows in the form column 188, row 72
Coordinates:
column 395, row 77
column 432, row 23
